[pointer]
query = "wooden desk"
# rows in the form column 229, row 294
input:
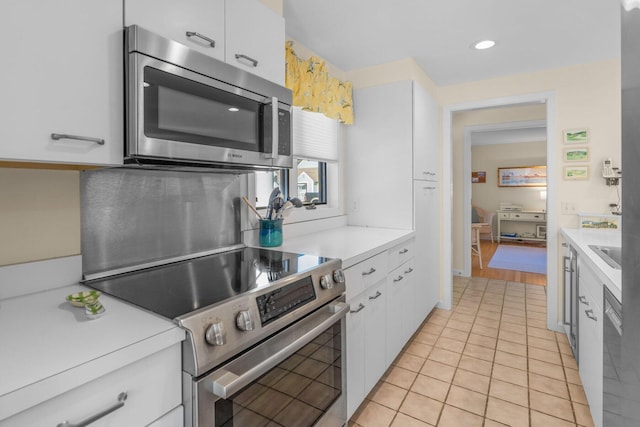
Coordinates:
column 529, row 219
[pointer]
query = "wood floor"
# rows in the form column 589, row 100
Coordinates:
column 488, row 249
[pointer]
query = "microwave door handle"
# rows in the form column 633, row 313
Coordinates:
column 274, row 129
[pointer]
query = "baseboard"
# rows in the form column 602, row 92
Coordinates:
column 457, row 272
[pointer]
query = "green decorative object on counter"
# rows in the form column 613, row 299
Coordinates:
column 79, row 299
column 93, row 308
column 270, row 232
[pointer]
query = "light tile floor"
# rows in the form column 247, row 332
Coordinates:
column 490, row 361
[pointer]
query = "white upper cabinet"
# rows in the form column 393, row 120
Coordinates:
column 198, row 24
column 425, row 135
column 255, row 39
column 62, row 74
column 379, row 157
column 243, row 33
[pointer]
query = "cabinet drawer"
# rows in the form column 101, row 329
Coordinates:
column 153, row 386
column 359, row 276
column 523, row 216
column 399, row 254
column 504, row 215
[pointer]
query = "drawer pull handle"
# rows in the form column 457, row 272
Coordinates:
column 121, row 398
column 57, row 136
column 404, row 251
column 410, row 270
column 583, row 300
column 254, row 62
column 367, row 273
column 399, row 278
column 211, row 42
column 590, row 315
column 376, row 296
column 357, row 310
column 429, row 188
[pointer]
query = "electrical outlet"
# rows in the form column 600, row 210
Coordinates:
column 568, row 208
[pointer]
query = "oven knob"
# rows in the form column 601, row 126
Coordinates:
column 244, row 321
column 326, row 282
column 216, row 334
column 338, row 276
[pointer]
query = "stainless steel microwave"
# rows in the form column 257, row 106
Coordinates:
column 186, row 108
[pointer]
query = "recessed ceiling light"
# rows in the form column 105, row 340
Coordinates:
column 484, row 44
column 233, row 109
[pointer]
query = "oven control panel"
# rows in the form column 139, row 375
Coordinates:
column 277, row 303
column 224, row 331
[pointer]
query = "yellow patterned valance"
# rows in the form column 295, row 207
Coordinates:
column 314, row 90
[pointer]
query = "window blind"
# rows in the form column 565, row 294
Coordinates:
column 315, row 136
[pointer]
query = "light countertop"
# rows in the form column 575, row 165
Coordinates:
column 349, row 243
column 48, row 346
column 581, row 238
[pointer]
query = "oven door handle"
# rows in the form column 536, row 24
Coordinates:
column 227, row 381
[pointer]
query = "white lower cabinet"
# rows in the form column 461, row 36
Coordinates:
column 590, row 338
column 375, row 316
column 384, row 315
column 356, row 354
column 174, row 418
column 401, row 309
column 153, row 388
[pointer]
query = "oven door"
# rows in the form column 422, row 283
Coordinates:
column 176, row 114
column 296, row 377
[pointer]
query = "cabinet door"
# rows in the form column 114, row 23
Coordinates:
column 174, row 20
column 356, row 353
column 427, row 254
column 409, row 306
column 375, row 343
column 62, row 73
column 426, row 127
column 255, row 39
column 590, row 340
column 396, row 298
column 378, row 151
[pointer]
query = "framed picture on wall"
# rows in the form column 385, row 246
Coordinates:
column 578, row 154
column 478, row 177
column 522, row 176
column 575, row 136
column 576, row 172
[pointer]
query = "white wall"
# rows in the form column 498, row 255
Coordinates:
column 39, row 214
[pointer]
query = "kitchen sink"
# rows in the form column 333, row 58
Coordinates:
column 612, row 255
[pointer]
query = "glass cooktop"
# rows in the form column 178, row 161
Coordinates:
column 180, row 288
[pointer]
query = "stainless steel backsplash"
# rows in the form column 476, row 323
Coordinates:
column 134, row 216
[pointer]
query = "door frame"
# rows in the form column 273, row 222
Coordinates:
column 549, row 98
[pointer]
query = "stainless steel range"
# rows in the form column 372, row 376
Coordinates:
column 265, row 329
column 263, row 326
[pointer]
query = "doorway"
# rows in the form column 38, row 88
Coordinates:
column 548, row 98
column 501, row 143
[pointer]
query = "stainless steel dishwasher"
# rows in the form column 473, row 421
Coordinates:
column 613, row 394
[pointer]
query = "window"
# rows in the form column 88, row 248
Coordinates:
column 315, row 177
column 312, row 181
column 266, row 182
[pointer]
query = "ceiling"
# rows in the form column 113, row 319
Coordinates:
column 531, row 35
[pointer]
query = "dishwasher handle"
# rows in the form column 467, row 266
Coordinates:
column 613, row 310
